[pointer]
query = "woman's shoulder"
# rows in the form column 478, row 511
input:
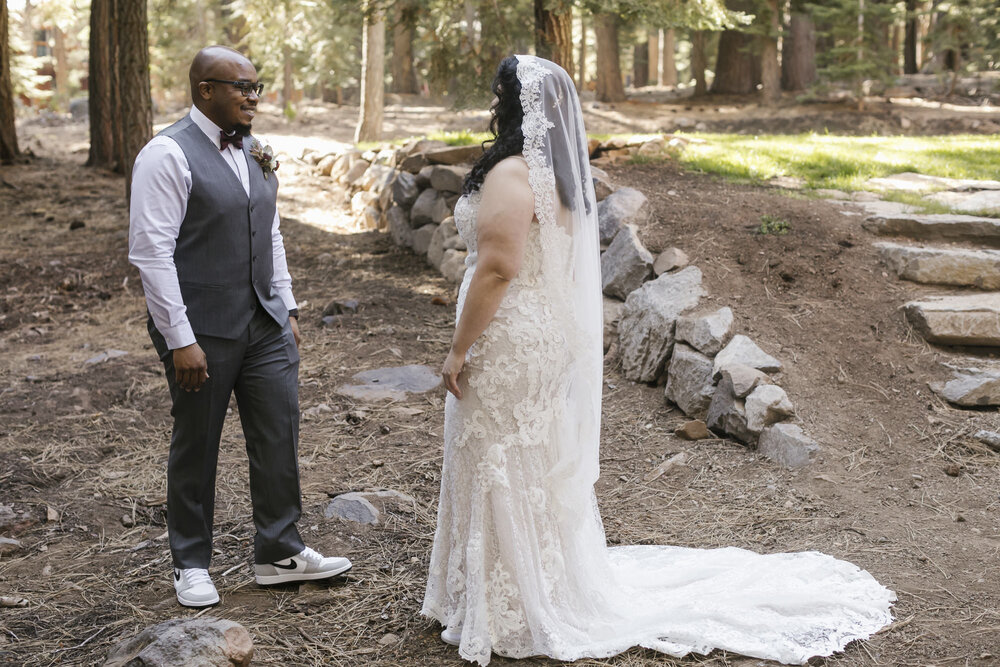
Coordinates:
column 512, row 166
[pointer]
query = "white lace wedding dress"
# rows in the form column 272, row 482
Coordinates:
column 520, row 563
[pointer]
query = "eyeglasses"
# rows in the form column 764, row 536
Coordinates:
column 245, row 87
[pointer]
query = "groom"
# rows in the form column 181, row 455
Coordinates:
column 203, row 233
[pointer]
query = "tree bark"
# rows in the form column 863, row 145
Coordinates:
column 798, row 57
column 735, row 68
column 770, row 68
column 133, row 77
column 654, row 57
column 8, row 133
column 404, row 77
column 372, row 66
column 554, row 34
column 669, row 64
column 910, row 63
column 102, row 86
column 61, row 67
column 288, row 76
column 640, row 65
column 582, row 55
column 699, row 62
column 609, row 72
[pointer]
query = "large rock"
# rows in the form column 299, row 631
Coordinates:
column 361, row 200
column 366, row 507
column 742, row 350
column 670, row 259
column 205, row 641
column 646, row 329
column 943, row 266
column 612, row 315
column 744, row 379
column 938, row 226
column 602, row 183
column 453, row 265
column 391, row 383
column 706, row 332
column 377, row 178
column 446, row 178
column 624, row 206
column 356, row 172
column 958, row 320
column 727, row 414
column 985, row 201
column 689, row 381
column 971, row 387
column 626, row 264
column 455, row 154
column 766, row 405
column 422, row 238
column 429, row 207
column 914, row 182
column 787, row 445
column 435, row 250
column 325, row 166
column 399, row 226
column 405, row 190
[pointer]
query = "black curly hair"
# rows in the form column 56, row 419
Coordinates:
column 505, row 125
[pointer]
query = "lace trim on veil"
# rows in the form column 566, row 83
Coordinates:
column 535, row 126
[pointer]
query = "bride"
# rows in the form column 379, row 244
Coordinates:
column 520, row 565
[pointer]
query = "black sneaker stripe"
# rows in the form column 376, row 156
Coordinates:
column 291, row 565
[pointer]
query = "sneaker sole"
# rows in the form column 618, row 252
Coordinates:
column 196, row 604
column 272, row 579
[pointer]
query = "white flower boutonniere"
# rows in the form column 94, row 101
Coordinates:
column 265, row 157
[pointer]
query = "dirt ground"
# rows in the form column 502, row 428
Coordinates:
column 900, row 488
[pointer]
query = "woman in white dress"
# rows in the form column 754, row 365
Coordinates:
column 520, row 565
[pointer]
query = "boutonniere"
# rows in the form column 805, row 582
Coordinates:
column 264, row 156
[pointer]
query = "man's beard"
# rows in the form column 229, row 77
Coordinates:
column 243, row 129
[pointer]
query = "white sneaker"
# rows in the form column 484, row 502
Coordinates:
column 306, row 565
column 452, row 636
column 194, row 587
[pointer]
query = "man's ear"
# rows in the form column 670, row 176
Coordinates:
column 205, row 90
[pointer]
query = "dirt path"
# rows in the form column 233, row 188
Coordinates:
column 89, row 440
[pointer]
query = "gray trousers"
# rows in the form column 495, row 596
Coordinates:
column 262, row 368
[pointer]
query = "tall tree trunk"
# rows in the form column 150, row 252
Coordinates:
column 770, row 68
column 288, row 76
column 609, row 72
column 133, row 72
column 62, row 67
column 735, row 70
column 910, row 63
column 654, row 57
column 102, row 85
column 8, row 133
column 640, row 65
column 372, row 67
column 404, row 76
column 667, row 55
column 699, row 61
column 554, row 33
column 798, row 52
column 582, row 55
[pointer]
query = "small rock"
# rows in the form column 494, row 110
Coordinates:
column 694, row 430
column 445, row 178
column 787, row 445
column 727, row 413
column 356, row 172
column 77, row 224
column 989, row 438
column 455, row 154
column 744, row 378
column 670, row 259
column 422, row 238
column 453, row 265
column 205, row 641
column 391, row 383
column 9, row 545
column 742, row 350
column 405, row 190
column 352, row 506
column 127, row 520
column 388, row 639
column 622, row 207
column 706, row 332
column 427, row 206
column 341, row 307
column 435, row 249
column 602, row 183
column 399, row 226
column 689, row 381
column 972, row 319
column 970, row 387
column 626, row 264
column 612, row 314
column 51, row 514
column 953, row 470
column 766, row 405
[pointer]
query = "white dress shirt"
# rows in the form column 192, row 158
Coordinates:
column 161, row 188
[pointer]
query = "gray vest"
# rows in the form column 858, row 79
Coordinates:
column 224, row 255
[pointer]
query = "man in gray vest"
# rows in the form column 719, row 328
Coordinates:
column 204, row 235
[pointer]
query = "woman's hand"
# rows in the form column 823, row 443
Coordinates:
column 452, row 368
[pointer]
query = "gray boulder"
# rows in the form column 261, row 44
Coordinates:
column 205, row 641
column 989, row 438
column 970, row 388
column 689, row 381
column 626, row 264
column 453, row 265
column 744, row 378
column 352, row 507
column 422, row 238
column 612, row 315
column 943, row 266
column 356, row 172
column 427, row 206
column 727, row 414
column 399, row 226
column 455, row 154
column 602, row 183
column 972, row 319
column 624, row 206
column 646, row 329
column 435, row 250
column 445, row 178
column 787, row 445
column 670, row 259
column 405, row 190
column 706, row 332
column 742, row 350
column 393, row 383
column 766, row 405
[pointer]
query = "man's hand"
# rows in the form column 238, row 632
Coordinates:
column 294, row 322
column 191, row 367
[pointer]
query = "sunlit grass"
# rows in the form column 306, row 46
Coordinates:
column 839, row 162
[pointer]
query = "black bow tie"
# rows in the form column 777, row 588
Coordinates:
column 235, row 139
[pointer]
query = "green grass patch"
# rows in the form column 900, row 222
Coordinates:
column 842, row 163
column 770, row 224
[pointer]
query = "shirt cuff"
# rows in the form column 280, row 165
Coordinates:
column 293, row 312
column 178, row 336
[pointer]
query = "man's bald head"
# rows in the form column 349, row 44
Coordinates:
column 213, row 71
